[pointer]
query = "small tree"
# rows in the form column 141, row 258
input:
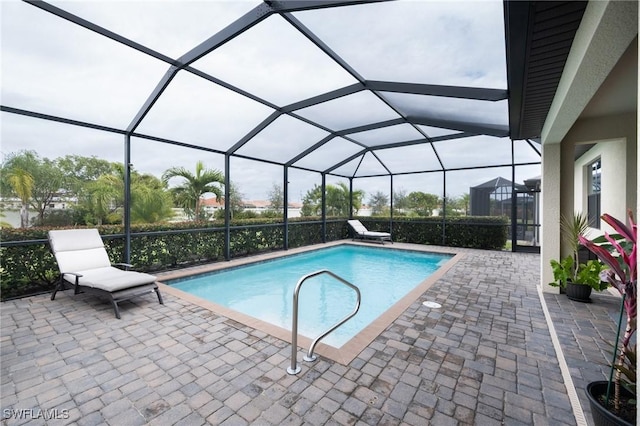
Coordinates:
column 311, row 202
column 400, row 201
column 236, row 204
column 49, row 182
column 379, row 202
column 451, row 206
column 423, row 203
column 79, row 170
column 276, row 197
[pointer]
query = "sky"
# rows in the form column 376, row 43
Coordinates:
column 52, row 66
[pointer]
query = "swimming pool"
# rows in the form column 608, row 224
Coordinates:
column 264, row 290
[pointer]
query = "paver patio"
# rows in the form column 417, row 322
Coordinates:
column 485, row 358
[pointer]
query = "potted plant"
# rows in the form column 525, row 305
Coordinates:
column 578, row 282
column 619, row 253
column 576, row 279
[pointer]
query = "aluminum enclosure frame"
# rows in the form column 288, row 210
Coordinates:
column 285, row 9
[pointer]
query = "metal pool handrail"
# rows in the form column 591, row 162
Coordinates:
column 294, row 369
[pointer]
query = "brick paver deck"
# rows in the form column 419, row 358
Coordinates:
column 485, row 358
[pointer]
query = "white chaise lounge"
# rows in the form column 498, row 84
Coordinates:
column 85, row 266
column 361, row 232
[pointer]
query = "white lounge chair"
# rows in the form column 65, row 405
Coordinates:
column 85, row 266
column 361, row 232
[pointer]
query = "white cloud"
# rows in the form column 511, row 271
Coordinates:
column 50, row 65
column 171, row 27
column 435, row 42
column 52, row 140
column 283, row 139
column 275, row 62
column 192, row 110
column 364, row 108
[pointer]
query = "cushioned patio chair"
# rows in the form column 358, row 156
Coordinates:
column 85, row 266
column 361, row 232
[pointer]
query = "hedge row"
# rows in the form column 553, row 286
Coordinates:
column 469, row 231
column 30, row 268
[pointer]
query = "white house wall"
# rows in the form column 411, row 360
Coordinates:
column 550, row 211
column 565, row 180
column 616, row 137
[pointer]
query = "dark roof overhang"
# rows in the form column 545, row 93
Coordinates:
column 539, row 35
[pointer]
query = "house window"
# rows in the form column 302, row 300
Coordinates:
column 593, row 197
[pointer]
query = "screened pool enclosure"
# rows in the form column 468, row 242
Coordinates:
column 386, row 98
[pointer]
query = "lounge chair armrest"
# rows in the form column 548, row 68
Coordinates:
column 125, row 265
column 75, row 274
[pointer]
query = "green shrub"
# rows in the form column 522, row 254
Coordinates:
column 468, row 231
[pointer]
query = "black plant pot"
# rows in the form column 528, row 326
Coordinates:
column 601, row 416
column 578, row 292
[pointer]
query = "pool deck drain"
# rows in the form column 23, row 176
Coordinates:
column 485, row 358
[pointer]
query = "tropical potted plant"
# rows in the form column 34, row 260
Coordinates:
column 576, row 279
column 619, row 253
column 578, row 282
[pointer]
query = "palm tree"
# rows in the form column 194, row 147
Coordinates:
column 4, row 224
column 337, row 200
column 22, row 183
column 465, row 200
column 149, row 205
column 151, row 202
column 104, row 196
column 188, row 193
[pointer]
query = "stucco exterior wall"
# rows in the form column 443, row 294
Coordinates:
column 616, row 137
column 550, row 212
column 607, row 30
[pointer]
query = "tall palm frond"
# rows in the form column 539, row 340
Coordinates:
column 194, row 186
column 22, row 183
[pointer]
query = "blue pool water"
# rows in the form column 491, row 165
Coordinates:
column 264, row 290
